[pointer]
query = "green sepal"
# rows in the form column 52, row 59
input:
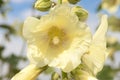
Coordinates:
column 43, row 5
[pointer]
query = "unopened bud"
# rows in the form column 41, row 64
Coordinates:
column 43, row 5
column 55, row 76
column 30, row 72
column 73, row 1
column 80, row 12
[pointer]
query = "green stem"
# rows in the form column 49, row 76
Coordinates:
column 64, row 75
column 60, row 1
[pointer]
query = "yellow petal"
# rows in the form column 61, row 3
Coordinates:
column 92, row 78
column 99, row 37
column 29, row 73
column 29, row 25
column 97, row 53
column 70, row 58
column 35, row 56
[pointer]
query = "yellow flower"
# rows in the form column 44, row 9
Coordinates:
column 93, row 60
column 111, row 5
column 57, row 39
column 29, row 73
column 97, row 53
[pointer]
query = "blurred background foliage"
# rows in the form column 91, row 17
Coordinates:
column 9, row 65
column 11, row 61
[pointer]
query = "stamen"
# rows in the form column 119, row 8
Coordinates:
column 56, row 40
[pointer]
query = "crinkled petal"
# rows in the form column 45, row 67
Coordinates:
column 58, row 16
column 35, row 56
column 97, row 54
column 99, row 37
column 71, row 58
column 76, row 41
column 29, row 25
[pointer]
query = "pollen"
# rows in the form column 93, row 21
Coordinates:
column 56, row 36
column 56, row 40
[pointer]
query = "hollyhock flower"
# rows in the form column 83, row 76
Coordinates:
column 93, row 60
column 58, row 39
column 97, row 53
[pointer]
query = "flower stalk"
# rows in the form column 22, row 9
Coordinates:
column 64, row 75
column 29, row 73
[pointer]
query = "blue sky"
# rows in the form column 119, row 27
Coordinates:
column 23, row 8
column 20, row 7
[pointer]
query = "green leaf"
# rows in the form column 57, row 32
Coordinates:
column 108, row 73
column 99, row 7
column 55, row 76
column 1, row 50
column 114, row 23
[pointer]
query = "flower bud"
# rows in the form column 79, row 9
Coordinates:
column 55, row 76
column 43, row 5
column 30, row 72
column 80, row 12
column 73, row 1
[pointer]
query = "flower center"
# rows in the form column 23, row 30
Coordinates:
column 56, row 40
column 56, row 36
